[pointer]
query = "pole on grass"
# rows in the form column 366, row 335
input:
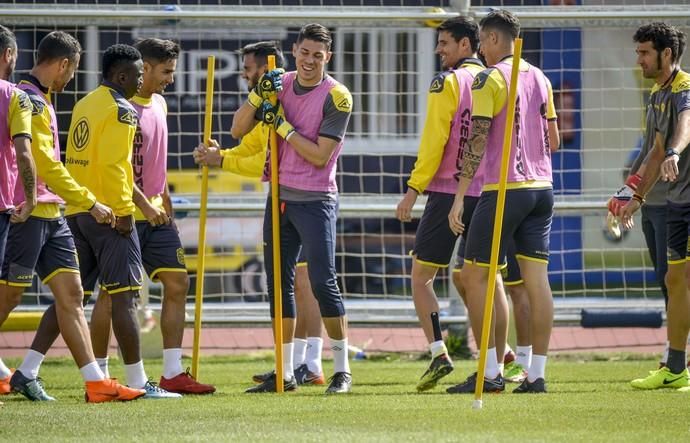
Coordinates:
column 498, row 225
column 201, row 244
column 275, row 230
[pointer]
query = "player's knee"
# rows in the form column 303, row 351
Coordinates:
column 11, row 299
column 332, row 307
column 177, row 286
column 675, row 278
column 457, row 281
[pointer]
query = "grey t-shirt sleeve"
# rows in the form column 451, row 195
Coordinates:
column 682, row 99
column 335, row 117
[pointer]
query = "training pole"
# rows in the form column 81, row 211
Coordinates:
column 275, row 230
column 498, row 226
column 201, row 244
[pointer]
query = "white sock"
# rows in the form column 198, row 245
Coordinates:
column 537, row 368
column 664, row 359
column 31, row 364
column 172, row 362
column 288, row 372
column 300, row 353
column 491, row 370
column 508, row 350
column 313, row 358
column 4, row 370
column 340, row 357
column 92, row 372
column 136, row 376
column 103, row 364
column 523, row 356
column 501, row 366
column 437, row 348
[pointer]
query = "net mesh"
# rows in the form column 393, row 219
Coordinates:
column 387, row 63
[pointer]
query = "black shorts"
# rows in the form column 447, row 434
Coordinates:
column 678, row 232
column 511, row 273
column 161, row 249
column 4, row 230
column 301, row 260
column 527, row 220
column 39, row 244
column 434, row 241
column 105, row 256
column 469, row 205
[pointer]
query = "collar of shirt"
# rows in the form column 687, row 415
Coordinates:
column 468, row 60
column 34, row 81
column 112, row 85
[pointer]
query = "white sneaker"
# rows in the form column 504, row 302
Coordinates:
column 153, row 391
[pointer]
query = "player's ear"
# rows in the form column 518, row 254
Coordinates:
column 294, row 49
column 147, row 67
column 329, row 54
column 64, row 64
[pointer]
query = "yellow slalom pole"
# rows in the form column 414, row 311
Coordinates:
column 275, row 229
column 201, row 245
column 498, row 225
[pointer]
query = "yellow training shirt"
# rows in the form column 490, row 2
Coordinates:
column 249, row 157
column 441, row 106
column 99, row 148
column 49, row 168
column 491, row 96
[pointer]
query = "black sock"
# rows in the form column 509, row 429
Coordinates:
column 676, row 361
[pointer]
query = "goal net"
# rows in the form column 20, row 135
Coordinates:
column 384, row 53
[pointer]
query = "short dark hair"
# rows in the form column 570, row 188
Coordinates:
column 56, row 46
column 261, row 51
column 503, row 21
column 7, row 39
column 317, row 33
column 681, row 44
column 662, row 36
column 156, row 50
column 116, row 56
column 460, row 27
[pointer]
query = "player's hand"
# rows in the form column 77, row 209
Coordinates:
column 626, row 213
column 404, row 210
column 623, row 195
column 124, row 225
column 270, row 84
column 455, row 217
column 168, row 207
column 274, row 115
column 21, row 213
column 102, row 214
column 208, row 155
column 669, row 168
column 155, row 216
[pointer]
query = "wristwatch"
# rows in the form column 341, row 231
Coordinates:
column 672, row 151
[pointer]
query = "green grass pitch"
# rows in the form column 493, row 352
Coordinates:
column 588, row 401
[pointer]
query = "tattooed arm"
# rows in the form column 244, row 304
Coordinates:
column 471, row 158
column 27, row 175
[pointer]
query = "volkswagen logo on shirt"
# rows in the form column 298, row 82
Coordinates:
column 80, row 135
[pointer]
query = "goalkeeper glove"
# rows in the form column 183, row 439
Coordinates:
column 274, row 115
column 270, row 84
column 624, row 194
column 267, row 86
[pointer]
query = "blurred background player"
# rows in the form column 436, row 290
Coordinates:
column 44, row 242
column 161, row 248
column 447, row 125
column 249, row 159
column 99, row 156
column 15, row 146
column 529, row 199
column 319, row 108
column 658, row 49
